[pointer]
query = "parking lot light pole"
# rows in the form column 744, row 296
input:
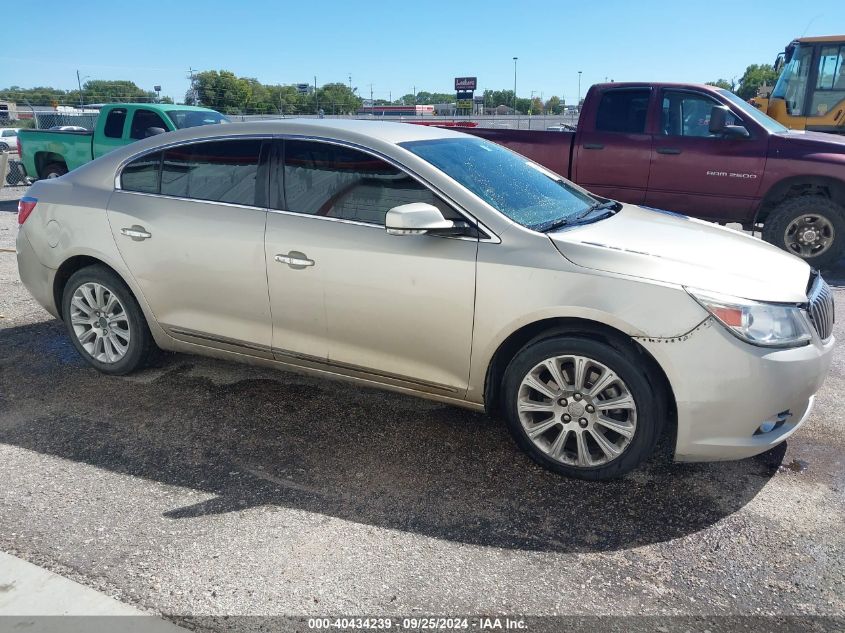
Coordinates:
column 514, row 84
column 579, row 91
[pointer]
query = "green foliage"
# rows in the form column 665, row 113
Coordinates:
column 554, row 105
column 95, row 91
column 224, row 91
column 755, row 76
column 537, row 106
column 722, row 83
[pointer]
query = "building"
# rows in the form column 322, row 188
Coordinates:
column 396, row 110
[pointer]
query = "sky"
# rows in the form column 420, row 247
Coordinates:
column 397, row 46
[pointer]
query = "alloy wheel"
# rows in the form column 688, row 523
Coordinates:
column 100, row 322
column 577, row 410
column 809, row 235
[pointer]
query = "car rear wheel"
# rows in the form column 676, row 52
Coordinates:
column 105, row 322
column 581, row 408
column 54, row 170
column 811, row 227
column 4, row 147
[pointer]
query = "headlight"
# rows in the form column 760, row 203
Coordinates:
column 764, row 324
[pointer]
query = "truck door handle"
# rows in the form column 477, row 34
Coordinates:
column 137, row 233
column 295, row 260
column 668, row 150
column 593, row 146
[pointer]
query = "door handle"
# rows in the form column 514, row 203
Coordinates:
column 668, row 150
column 137, row 233
column 593, row 146
column 295, row 259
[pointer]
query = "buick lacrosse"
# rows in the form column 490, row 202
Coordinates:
column 441, row 265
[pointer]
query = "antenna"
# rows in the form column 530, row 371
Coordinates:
column 809, row 24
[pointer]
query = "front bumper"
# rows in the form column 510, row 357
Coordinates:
column 726, row 389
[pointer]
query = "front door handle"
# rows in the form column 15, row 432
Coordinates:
column 295, row 260
column 593, row 146
column 137, row 233
column 668, row 150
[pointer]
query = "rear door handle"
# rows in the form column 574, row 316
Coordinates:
column 295, row 259
column 668, row 150
column 137, row 233
column 593, row 146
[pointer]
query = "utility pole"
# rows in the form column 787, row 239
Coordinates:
column 79, row 83
column 316, row 98
column 195, row 97
column 350, row 82
column 371, row 92
column 514, row 84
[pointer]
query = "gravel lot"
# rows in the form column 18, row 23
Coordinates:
column 200, row 488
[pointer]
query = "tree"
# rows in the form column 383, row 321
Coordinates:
column 554, row 105
column 537, row 106
column 755, row 76
column 722, row 83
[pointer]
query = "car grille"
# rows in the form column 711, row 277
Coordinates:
column 821, row 308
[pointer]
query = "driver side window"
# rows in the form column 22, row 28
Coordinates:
column 688, row 114
column 339, row 182
column 142, row 120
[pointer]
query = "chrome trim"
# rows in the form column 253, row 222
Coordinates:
column 300, row 357
column 336, row 365
column 217, row 339
column 199, row 200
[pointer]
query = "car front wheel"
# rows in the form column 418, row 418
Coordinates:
column 581, row 407
column 105, row 322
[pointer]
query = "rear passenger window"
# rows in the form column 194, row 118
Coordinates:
column 220, row 171
column 114, row 123
column 142, row 174
column 339, row 182
column 623, row 111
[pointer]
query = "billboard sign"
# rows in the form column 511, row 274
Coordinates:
column 466, row 83
column 303, row 89
column 464, row 104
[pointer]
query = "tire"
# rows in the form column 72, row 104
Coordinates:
column 4, row 147
column 644, row 420
column 54, row 170
column 813, row 215
column 128, row 328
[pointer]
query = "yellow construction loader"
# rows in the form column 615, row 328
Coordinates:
column 810, row 91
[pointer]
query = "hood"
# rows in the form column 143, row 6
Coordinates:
column 812, row 146
column 675, row 249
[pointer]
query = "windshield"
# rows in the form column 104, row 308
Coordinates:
column 193, row 118
column 522, row 190
column 763, row 119
column 791, row 86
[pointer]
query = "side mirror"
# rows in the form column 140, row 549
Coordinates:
column 416, row 218
column 719, row 124
column 153, row 131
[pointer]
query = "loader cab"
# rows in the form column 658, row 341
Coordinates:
column 810, row 91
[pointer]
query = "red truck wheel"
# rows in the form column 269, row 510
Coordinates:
column 811, row 227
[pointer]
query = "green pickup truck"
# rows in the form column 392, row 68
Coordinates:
column 52, row 153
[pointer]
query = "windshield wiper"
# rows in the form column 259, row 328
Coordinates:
column 551, row 225
column 608, row 205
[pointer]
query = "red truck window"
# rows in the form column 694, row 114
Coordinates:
column 623, row 111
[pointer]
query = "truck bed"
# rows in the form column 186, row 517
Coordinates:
column 550, row 149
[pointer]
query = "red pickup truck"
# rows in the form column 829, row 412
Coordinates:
column 704, row 152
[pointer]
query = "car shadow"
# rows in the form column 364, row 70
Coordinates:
column 251, row 437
